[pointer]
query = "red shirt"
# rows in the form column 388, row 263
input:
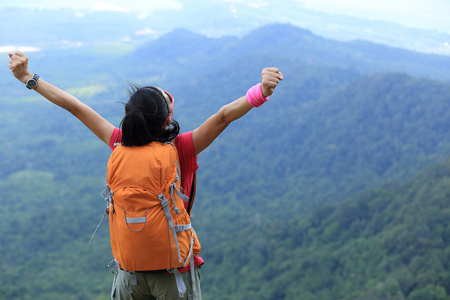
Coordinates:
column 188, row 166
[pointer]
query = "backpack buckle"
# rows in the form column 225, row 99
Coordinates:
column 163, row 200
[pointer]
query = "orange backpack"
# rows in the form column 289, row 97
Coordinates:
column 150, row 228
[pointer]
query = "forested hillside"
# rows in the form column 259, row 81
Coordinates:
column 312, row 196
column 392, row 242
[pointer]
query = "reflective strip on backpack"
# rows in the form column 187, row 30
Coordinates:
column 136, row 220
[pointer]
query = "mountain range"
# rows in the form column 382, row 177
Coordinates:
column 105, row 31
column 336, row 188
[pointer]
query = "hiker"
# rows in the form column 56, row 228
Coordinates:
column 148, row 118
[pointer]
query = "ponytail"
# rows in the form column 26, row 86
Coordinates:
column 145, row 114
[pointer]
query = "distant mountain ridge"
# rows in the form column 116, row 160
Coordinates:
column 211, row 18
column 289, row 43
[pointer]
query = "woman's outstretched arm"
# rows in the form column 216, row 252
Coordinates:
column 96, row 123
column 206, row 133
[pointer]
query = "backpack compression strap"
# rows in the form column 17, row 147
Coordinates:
column 165, row 205
column 107, row 195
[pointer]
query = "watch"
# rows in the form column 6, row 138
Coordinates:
column 32, row 82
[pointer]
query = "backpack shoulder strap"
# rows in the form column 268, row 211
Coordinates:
column 192, row 195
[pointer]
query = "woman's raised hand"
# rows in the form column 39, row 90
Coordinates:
column 269, row 80
column 19, row 66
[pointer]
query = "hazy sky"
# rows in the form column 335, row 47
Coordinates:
column 434, row 14
column 415, row 13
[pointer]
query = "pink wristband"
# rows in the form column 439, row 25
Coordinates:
column 255, row 96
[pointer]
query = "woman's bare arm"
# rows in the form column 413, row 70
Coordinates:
column 206, row 133
column 96, row 123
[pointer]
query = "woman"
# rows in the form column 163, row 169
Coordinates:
column 148, row 117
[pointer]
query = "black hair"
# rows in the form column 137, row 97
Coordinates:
column 145, row 114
